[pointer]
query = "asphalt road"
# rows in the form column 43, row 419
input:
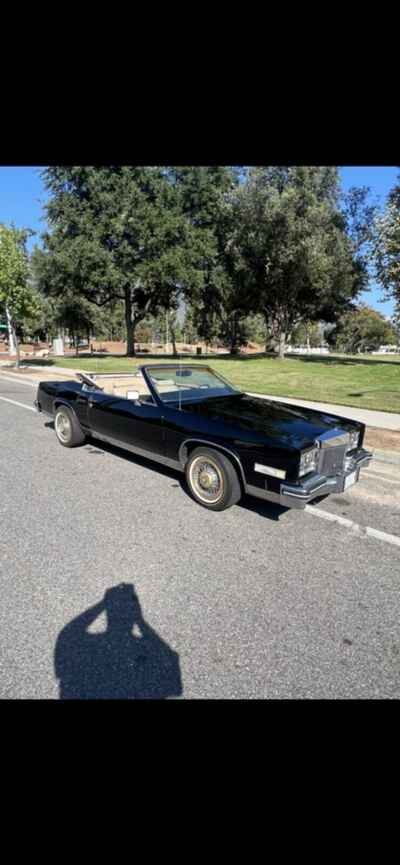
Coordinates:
column 253, row 602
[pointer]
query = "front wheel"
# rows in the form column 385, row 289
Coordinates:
column 212, row 479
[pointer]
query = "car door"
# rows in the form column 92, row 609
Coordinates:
column 129, row 422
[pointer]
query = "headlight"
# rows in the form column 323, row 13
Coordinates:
column 354, row 439
column 308, row 461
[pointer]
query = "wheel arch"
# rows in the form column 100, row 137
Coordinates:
column 59, row 401
column 191, row 444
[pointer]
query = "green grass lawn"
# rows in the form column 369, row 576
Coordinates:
column 366, row 383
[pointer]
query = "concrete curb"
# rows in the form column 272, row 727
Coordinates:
column 386, row 457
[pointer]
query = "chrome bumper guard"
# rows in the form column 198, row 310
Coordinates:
column 299, row 495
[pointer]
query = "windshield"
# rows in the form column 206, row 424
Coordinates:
column 186, row 384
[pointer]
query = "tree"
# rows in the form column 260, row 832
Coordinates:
column 116, row 233
column 214, row 286
column 255, row 328
column 189, row 328
column 396, row 322
column 16, row 293
column 307, row 333
column 206, row 323
column 386, row 250
column 77, row 315
column 297, row 255
column 361, row 330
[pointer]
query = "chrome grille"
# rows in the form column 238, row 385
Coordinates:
column 332, row 460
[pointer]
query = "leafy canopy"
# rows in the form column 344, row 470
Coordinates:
column 16, row 292
column 387, row 246
column 362, row 329
column 295, row 247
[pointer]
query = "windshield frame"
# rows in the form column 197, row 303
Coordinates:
column 146, row 370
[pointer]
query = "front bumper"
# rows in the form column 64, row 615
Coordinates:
column 300, row 494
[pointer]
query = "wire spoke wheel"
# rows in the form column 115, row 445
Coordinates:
column 206, row 479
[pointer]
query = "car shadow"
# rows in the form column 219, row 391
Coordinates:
column 126, row 660
column 269, row 510
column 265, row 509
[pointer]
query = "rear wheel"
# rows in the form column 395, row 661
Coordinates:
column 212, row 479
column 68, row 430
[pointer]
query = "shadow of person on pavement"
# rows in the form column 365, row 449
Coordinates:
column 128, row 660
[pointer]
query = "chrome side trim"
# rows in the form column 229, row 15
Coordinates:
column 141, row 452
column 182, row 458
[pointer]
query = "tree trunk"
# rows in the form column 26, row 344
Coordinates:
column 173, row 340
column 12, row 347
column 282, row 345
column 267, row 334
column 172, row 326
column 233, row 346
column 17, row 347
column 130, row 325
column 234, row 349
column 234, row 338
column 16, row 344
column 308, row 337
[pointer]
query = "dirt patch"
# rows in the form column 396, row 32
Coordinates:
column 383, row 439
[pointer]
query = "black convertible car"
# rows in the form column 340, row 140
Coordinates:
column 228, row 443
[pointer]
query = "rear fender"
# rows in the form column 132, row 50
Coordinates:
column 60, row 401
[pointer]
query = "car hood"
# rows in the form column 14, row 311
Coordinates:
column 280, row 423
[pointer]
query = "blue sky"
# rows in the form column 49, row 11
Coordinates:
column 22, row 196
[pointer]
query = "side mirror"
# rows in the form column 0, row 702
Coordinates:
column 132, row 394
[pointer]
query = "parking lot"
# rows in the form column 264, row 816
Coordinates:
column 253, row 602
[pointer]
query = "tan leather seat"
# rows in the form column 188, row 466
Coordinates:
column 119, row 386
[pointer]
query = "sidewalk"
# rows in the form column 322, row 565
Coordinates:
column 378, row 419
column 34, row 374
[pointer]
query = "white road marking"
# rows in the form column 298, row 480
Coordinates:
column 383, row 536
column 326, row 515
column 18, row 381
column 355, row 527
column 21, row 404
